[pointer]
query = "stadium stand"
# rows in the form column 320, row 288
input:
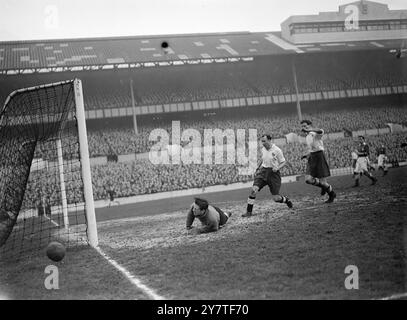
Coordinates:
column 343, row 67
column 264, row 76
column 143, row 177
column 125, row 141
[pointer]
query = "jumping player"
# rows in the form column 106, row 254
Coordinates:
column 317, row 168
column 362, row 162
column 268, row 173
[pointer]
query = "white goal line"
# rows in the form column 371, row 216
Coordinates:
column 134, row 280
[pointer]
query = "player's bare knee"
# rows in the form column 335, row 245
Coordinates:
column 276, row 198
column 310, row 180
column 254, row 191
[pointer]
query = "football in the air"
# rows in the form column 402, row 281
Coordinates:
column 55, row 251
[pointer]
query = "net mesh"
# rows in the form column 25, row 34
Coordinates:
column 41, row 196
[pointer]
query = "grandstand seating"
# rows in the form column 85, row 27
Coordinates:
column 124, row 141
column 268, row 75
column 66, row 53
column 143, row 177
column 264, row 76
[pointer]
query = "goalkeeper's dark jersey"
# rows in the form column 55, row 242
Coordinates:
column 211, row 220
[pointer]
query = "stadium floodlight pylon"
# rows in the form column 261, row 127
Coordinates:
column 46, row 189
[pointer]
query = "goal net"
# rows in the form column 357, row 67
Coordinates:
column 45, row 182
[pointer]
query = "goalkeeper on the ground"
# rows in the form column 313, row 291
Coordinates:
column 212, row 218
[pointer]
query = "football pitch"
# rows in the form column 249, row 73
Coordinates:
column 276, row 254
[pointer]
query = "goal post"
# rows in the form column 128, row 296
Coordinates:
column 46, row 189
column 84, row 155
column 62, row 183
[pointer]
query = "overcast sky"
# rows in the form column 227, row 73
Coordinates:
column 57, row 19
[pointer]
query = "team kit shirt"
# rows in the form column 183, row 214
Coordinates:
column 210, row 219
column 363, row 162
column 381, row 158
column 272, row 158
column 381, row 150
column 314, row 142
column 363, row 150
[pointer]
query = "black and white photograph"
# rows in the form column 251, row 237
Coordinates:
column 203, row 151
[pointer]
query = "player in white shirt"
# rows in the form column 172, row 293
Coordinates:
column 317, row 168
column 382, row 160
column 268, row 174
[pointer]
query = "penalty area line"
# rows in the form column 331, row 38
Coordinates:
column 148, row 291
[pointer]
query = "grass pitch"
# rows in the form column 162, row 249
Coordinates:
column 276, row 254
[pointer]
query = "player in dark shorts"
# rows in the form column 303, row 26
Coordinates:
column 317, row 166
column 268, row 174
column 363, row 163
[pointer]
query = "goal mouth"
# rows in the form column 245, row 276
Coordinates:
column 45, row 181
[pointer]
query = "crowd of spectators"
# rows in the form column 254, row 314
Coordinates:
column 264, row 76
column 125, row 141
column 121, row 141
column 143, row 177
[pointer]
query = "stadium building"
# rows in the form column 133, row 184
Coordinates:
column 218, row 71
column 356, row 21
